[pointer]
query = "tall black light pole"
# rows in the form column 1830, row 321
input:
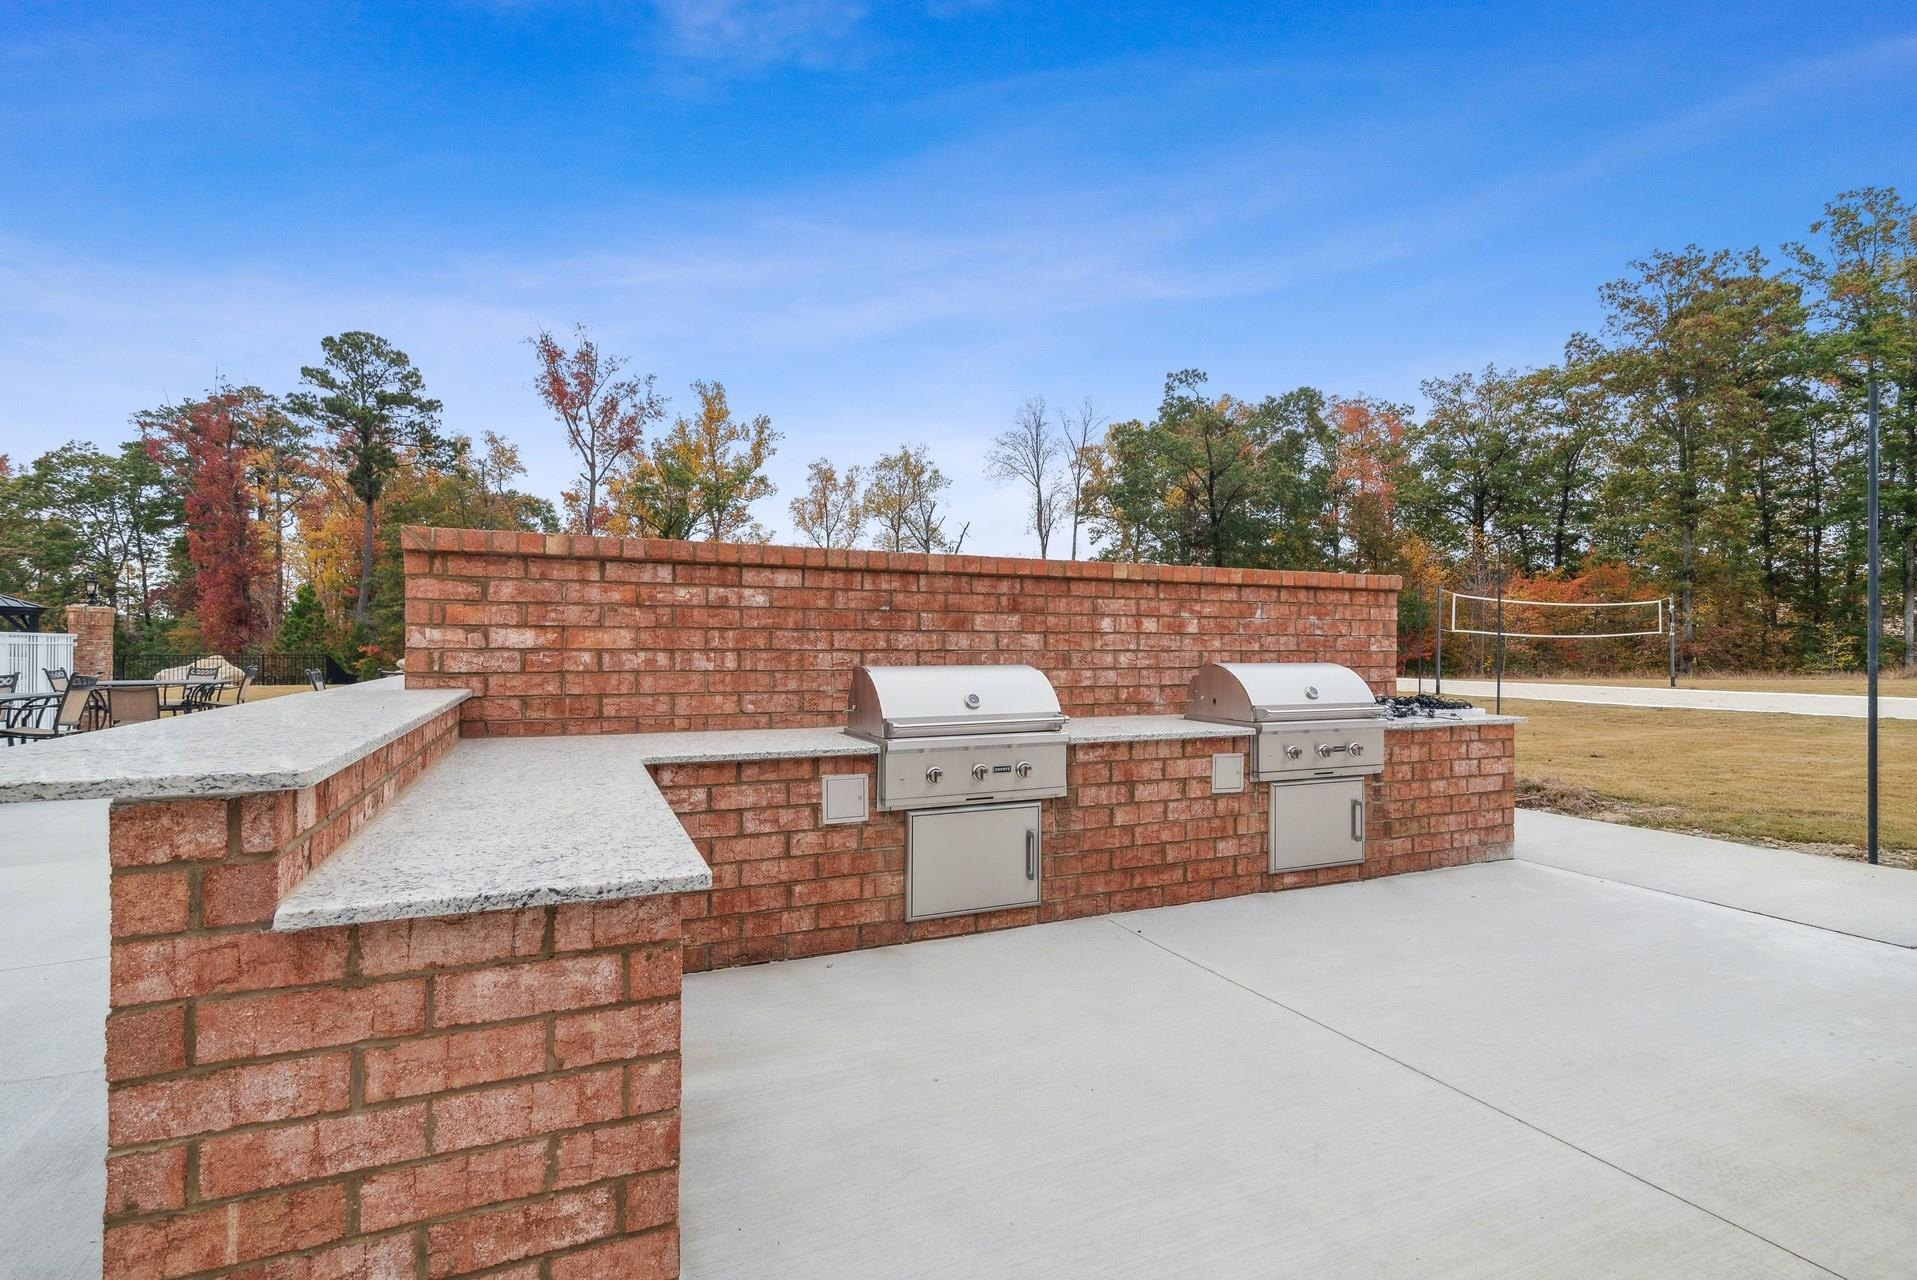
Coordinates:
column 1876, row 614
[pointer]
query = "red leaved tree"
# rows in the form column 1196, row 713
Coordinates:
column 1370, row 449
column 604, row 416
column 205, row 444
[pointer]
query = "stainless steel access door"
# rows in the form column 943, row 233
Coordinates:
column 1317, row 824
column 975, row 859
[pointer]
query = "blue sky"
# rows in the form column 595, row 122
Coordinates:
column 878, row 222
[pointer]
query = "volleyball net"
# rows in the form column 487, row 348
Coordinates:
column 1515, row 619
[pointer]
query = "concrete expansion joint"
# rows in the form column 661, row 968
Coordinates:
column 1466, row 1094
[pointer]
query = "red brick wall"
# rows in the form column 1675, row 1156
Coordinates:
column 426, row 1098
column 92, row 628
column 1139, row 828
column 567, row 634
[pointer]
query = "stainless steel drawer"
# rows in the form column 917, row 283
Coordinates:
column 975, row 859
column 1320, row 823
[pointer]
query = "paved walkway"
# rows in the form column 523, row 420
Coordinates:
column 1829, row 893
column 1802, row 704
column 1503, row 1070
column 53, row 1001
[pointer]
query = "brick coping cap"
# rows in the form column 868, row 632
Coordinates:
column 597, row 547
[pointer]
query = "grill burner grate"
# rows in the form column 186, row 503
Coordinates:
column 1411, row 706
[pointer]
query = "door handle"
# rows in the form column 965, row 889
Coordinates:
column 1031, row 855
column 1358, row 821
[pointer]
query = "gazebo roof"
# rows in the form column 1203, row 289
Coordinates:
column 19, row 615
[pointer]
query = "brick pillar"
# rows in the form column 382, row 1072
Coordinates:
column 404, row 1100
column 92, row 627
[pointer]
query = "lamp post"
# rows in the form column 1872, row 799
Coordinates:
column 93, row 588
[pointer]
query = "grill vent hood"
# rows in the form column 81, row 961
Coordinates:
column 1249, row 693
column 889, row 703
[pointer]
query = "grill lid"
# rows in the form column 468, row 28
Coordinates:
column 1265, row 692
column 948, row 701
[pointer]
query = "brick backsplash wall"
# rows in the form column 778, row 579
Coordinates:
column 1138, row 828
column 569, row 634
column 493, row 1093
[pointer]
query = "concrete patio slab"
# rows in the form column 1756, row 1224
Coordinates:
column 1502, row 1070
column 53, row 993
column 1829, row 893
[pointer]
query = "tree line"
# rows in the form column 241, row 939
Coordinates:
column 1707, row 442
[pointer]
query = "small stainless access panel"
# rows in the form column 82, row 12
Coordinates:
column 979, row 858
column 1319, row 823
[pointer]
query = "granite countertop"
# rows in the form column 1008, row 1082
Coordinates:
column 1430, row 722
column 276, row 744
column 515, row 822
column 503, row 823
column 747, row 744
column 1146, row 729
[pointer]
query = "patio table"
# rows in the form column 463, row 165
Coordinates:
column 103, row 699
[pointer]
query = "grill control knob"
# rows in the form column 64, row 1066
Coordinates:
column 1294, row 751
column 1023, row 769
column 980, row 771
column 1357, row 748
column 934, row 774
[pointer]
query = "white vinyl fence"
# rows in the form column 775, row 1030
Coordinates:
column 30, row 653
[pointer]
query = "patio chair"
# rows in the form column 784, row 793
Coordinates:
column 73, row 707
column 10, row 682
column 316, row 678
column 200, row 696
column 210, row 669
column 56, row 678
column 132, row 705
column 21, row 718
column 248, row 676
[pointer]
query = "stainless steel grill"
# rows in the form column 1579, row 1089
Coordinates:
column 957, row 735
column 1316, row 736
column 970, row 752
column 1307, row 718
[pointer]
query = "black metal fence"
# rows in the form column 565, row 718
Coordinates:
column 274, row 668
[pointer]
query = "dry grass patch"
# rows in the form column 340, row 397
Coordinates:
column 1796, row 780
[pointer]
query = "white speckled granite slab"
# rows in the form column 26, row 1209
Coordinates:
column 749, row 744
column 1424, row 722
column 503, row 823
column 517, row 822
column 1146, row 729
column 278, row 744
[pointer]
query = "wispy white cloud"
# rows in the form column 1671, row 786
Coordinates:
column 757, row 33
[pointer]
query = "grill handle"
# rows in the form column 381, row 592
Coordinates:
column 983, row 724
column 1358, row 821
column 1031, row 854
